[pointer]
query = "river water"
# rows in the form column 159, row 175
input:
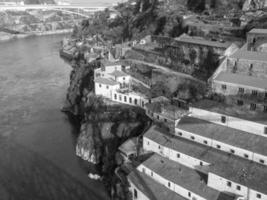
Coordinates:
column 37, row 142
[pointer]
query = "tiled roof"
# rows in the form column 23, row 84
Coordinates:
column 242, row 80
column 118, row 73
column 129, row 146
column 230, row 110
column 223, row 164
column 231, row 136
column 257, row 30
column 249, row 55
column 181, row 175
column 105, row 81
column 151, row 188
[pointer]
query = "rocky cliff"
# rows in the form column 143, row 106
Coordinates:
column 103, row 126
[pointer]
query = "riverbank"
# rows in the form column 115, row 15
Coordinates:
column 5, row 37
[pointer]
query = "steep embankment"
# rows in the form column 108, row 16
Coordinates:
column 104, row 127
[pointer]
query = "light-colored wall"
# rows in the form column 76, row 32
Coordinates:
column 189, row 161
column 233, row 122
column 140, row 194
column 140, row 100
column 174, row 187
column 220, row 183
column 223, row 146
column 104, row 91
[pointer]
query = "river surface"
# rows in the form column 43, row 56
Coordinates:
column 37, row 142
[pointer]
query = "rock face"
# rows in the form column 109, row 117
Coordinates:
column 254, row 4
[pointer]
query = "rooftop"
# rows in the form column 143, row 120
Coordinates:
column 110, row 63
column 105, row 81
column 130, row 146
column 242, row 80
column 201, row 41
column 118, row 73
column 231, row 136
column 249, row 55
column 166, row 109
column 231, row 110
column 226, row 165
column 181, row 175
column 151, row 188
column 259, row 31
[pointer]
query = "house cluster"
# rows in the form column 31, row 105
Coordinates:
column 113, row 83
column 214, row 150
column 218, row 149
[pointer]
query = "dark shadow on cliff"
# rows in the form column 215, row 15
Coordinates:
column 25, row 175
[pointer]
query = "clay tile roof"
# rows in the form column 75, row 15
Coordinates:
column 181, row 175
column 151, row 188
column 105, row 81
column 227, row 135
column 242, row 80
column 118, row 73
column 227, row 166
column 257, row 30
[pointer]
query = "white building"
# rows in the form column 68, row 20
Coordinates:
column 113, row 83
column 105, row 87
column 226, row 173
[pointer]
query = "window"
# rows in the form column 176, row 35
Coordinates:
column 125, row 99
column 158, row 117
column 115, row 96
column 123, row 78
column 229, row 184
column 218, row 146
column 192, row 137
column 253, row 106
column 241, row 90
column 107, row 87
column 246, row 155
column 258, row 196
column 238, row 187
column 182, row 134
column 169, row 184
column 130, row 100
column 265, row 130
column 178, row 155
column 165, row 120
column 232, row 151
column 205, row 142
column 201, row 163
column 135, row 194
column 254, row 92
column 120, row 97
column 240, row 102
column 135, row 101
column 223, row 119
column 224, row 87
column 159, row 146
column 100, row 85
column 261, row 161
column 189, row 194
column 151, row 173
